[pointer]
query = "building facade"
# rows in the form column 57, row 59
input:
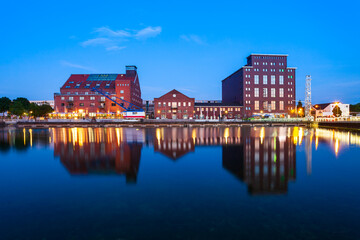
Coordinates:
column 76, row 97
column 216, row 110
column 174, row 105
column 265, row 85
column 326, row 110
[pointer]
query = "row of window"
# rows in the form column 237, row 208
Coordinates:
column 174, row 104
column 268, row 57
column 267, row 106
column 272, row 77
column 272, row 91
column 230, row 109
column 265, row 70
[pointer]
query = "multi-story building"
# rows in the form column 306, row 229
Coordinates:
column 76, row 97
column 265, row 85
column 174, row 105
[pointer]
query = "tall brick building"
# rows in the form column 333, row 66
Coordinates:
column 174, row 105
column 76, row 97
column 265, row 85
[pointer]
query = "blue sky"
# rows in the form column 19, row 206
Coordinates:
column 187, row 45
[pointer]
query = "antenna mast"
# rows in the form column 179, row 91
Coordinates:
column 308, row 97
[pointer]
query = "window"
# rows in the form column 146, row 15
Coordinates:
column 62, row 98
column 113, row 104
column 265, row 79
column 265, row 105
column 281, row 92
column 174, row 95
column 103, row 99
column 164, row 104
column 256, row 105
column 71, row 82
column 62, row 104
column 113, row 98
column 281, row 105
column 86, row 93
column 92, row 104
column 179, row 104
column 189, row 104
column 67, row 87
column 169, row 104
column 256, row 92
column 256, row 79
column 81, row 98
column 273, row 93
column 184, row 104
column 71, row 98
column 81, row 104
column 98, row 84
column 273, row 105
column 281, row 80
column 272, row 79
column 92, row 98
column 121, row 91
column 265, row 92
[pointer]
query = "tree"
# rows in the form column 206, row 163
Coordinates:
column 300, row 109
column 24, row 102
column 4, row 104
column 337, row 111
column 40, row 111
column 16, row 108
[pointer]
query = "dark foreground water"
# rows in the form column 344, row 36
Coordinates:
column 179, row 183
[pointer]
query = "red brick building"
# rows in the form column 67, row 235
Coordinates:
column 76, row 97
column 265, row 85
column 174, row 105
column 218, row 111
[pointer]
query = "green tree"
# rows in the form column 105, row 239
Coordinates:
column 16, row 108
column 4, row 104
column 40, row 111
column 300, row 109
column 337, row 111
column 24, row 101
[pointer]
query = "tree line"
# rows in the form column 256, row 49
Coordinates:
column 22, row 107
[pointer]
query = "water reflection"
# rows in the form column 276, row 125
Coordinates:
column 263, row 158
column 99, row 151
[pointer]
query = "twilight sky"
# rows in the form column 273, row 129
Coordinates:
column 187, row 45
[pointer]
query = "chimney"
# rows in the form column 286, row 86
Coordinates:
column 131, row 71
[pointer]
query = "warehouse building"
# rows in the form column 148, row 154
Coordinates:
column 265, row 85
column 76, row 98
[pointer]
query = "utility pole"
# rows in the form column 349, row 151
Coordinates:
column 308, row 97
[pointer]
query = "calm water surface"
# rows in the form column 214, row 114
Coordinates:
column 179, row 183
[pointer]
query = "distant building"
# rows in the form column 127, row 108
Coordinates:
column 326, row 109
column 265, row 85
column 42, row 102
column 148, row 106
column 76, row 96
column 218, row 110
column 174, row 105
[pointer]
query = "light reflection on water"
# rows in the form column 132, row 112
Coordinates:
column 191, row 183
column 262, row 157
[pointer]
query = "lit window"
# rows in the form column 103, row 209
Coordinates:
column 92, row 98
column 81, row 98
column 265, row 79
column 265, row 92
column 281, row 92
column 62, row 98
column 273, row 105
column 121, row 91
column 273, row 93
column 256, row 79
column 256, row 107
column 281, row 80
column 272, row 79
column 256, row 92
column 189, row 104
column 281, row 105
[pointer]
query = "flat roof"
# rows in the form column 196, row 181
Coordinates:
column 264, row 54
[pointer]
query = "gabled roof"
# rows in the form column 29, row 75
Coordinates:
column 321, row 106
column 174, row 91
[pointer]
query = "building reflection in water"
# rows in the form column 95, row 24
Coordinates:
column 99, row 150
column 262, row 157
column 265, row 159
